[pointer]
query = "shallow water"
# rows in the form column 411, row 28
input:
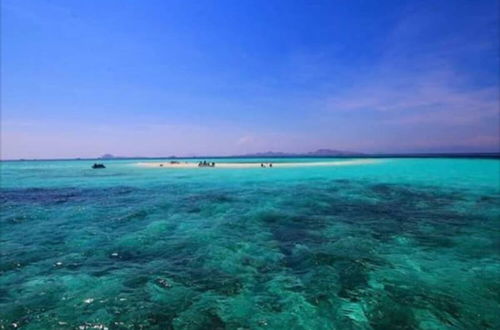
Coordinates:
column 397, row 244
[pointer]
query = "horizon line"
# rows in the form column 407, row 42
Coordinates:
column 492, row 154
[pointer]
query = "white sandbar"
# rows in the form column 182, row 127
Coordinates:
column 191, row 164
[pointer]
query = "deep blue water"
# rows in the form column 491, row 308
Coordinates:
column 397, row 244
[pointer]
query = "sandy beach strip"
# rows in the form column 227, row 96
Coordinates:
column 235, row 165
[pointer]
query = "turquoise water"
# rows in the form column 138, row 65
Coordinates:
column 398, row 244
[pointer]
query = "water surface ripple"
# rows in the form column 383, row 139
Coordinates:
column 403, row 244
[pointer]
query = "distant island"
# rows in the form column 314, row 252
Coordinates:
column 313, row 154
column 108, row 156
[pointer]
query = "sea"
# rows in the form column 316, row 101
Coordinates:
column 396, row 243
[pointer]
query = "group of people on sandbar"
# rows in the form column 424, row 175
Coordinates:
column 264, row 165
column 206, row 164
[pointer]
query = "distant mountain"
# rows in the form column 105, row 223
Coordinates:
column 107, row 156
column 317, row 153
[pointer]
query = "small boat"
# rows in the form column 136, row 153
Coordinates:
column 96, row 165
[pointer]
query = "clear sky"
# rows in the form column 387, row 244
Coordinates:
column 157, row 78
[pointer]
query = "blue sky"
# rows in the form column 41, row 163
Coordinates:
column 156, row 78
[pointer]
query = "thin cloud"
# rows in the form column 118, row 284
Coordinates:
column 426, row 85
